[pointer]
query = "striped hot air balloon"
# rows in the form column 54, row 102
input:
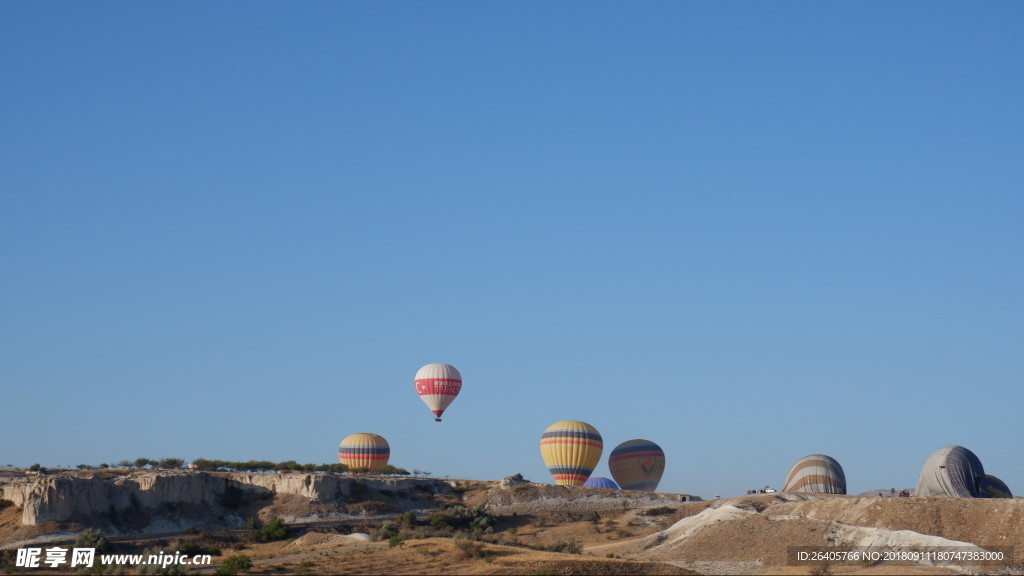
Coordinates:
column 571, row 449
column 438, row 385
column 364, row 450
column 637, row 465
column 816, row 474
column 601, row 482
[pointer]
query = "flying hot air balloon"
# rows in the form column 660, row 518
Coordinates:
column 438, row 385
column 571, row 450
column 364, row 450
column 637, row 465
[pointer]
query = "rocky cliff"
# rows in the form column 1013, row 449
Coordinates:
column 154, row 500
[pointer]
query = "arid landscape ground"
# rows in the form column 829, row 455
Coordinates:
column 367, row 525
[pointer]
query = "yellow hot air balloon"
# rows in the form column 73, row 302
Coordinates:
column 364, row 450
column 571, row 449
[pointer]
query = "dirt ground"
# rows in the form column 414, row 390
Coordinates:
column 543, row 529
column 626, row 540
column 437, row 556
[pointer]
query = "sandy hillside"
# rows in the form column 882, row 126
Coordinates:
column 476, row 527
column 754, row 534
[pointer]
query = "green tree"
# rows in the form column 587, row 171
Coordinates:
column 388, row 469
column 142, row 462
column 204, row 464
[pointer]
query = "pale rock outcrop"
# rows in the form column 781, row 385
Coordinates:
column 65, row 497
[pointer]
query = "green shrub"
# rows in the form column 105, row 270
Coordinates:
column 92, row 538
column 462, row 518
column 659, row 511
column 439, row 520
column 570, row 546
column 396, row 540
column 193, row 548
column 387, row 531
column 234, row 565
column 470, row 548
column 272, row 531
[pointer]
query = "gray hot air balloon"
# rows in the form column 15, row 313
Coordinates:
column 951, row 471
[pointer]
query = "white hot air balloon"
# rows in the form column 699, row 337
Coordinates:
column 438, row 384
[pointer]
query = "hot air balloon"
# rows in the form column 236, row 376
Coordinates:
column 993, row 487
column 438, row 385
column 364, row 450
column 952, row 471
column 601, row 482
column 637, row 465
column 816, row 474
column 571, row 449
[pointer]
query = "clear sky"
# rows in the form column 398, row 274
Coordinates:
column 747, row 231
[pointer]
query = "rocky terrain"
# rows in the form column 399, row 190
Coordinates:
column 359, row 525
column 133, row 502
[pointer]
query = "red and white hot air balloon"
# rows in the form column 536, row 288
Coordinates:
column 438, row 385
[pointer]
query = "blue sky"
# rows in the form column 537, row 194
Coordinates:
column 746, row 231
